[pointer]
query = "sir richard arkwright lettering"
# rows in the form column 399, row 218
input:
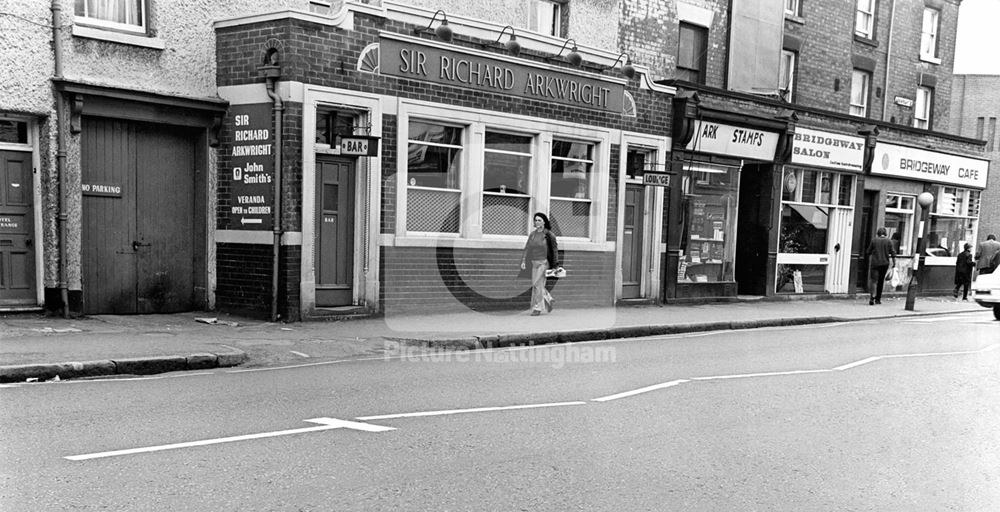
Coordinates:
column 470, row 72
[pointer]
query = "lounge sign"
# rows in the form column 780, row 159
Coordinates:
column 923, row 165
column 416, row 61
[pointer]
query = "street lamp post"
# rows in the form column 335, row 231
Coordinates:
column 925, row 199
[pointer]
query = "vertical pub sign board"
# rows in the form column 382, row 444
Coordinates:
column 252, row 167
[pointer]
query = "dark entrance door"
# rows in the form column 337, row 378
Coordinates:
column 138, row 217
column 752, row 230
column 334, row 231
column 17, row 247
column 867, row 231
column 632, row 239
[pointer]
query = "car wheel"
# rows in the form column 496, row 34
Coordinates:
column 996, row 311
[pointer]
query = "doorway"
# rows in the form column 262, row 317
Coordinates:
column 632, row 241
column 17, row 245
column 752, row 231
column 867, row 231
column 335, row 190
column 138, row 240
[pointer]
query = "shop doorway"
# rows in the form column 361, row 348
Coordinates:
column 335, row 190
column 17, row 245
column 633, row 232
column 138, row 240
column 867, row 231
column 752, row 224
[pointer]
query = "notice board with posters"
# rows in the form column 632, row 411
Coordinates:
column 251, row 167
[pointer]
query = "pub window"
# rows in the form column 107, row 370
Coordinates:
column 546, row 17
column 506, row 183
column 864, row 21
column 860, row 84
column 922, row 108
column 434, row 166
column 124, row 15
column 691, row 53
column 929, row 34
column 708, row 239
column 571, row 176
column 330, row 124
column 13, row 132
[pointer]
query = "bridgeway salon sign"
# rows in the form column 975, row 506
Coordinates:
column 923, row 165
column 410, row 59
column 826, row 149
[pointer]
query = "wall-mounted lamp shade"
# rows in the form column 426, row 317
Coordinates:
column 627, row 69
column 573, row 57
column 511, row 45
column 443, row 31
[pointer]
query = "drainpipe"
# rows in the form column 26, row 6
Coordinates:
column 888, row 59
column 60, row 155
column 272, row 72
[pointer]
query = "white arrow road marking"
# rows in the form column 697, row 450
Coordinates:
column 325, row 424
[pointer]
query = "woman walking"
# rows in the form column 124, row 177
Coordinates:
column 541, row 252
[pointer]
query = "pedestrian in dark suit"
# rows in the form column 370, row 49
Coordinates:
column 986, row 254
column 963, row 272
column 880, row 255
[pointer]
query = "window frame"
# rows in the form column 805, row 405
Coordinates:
column 923, row 108
column 793, row 8
column 476, row 122
column 865, row 15
column 502, row 193
column 553, row 7
column 142, row 28
column 903, row 205
column 699, row 54
column 930, row 35
column 865, row 92
column 786, row 81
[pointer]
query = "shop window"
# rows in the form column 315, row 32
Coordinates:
column 953, row 222
column 434, row 166
column 899, row 213
column 692, row 53
column 787, row 76
column 13, row 132
column 864, row 21
column 708, row 245
column 922, row 108
column 571, row 175
column 125, row 15
column 929, row 34
column 506, row 184
column 860, row 84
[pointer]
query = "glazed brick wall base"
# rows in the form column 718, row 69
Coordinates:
column 448, row 279
column 244, row 280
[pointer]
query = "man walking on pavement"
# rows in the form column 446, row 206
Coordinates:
column 987, row 254
column 879, row 253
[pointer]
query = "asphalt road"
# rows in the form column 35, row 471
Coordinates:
column 878, row 416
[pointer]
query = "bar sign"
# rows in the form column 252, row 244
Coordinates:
column 656, row 179
column 359, row 146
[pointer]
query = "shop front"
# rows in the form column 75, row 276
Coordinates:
column 816, row 226
column 899, row 174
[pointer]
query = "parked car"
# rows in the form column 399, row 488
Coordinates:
column 986, row 292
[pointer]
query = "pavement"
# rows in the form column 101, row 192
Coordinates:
column 39, row 348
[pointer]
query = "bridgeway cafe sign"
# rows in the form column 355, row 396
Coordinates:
column 252, row 167
column 827, row 149
column 405, row 58
column 923, row 165
column 723, row 139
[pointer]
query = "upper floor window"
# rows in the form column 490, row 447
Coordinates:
column 787, row 78
column 929, row 34
column 691, row 53
column 922, row 108
column 545, row 16
column 792, row 7
column 864, row 22
column 125, row 15
column 860, row 84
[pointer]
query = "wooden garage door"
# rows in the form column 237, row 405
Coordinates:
column 138, row 217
